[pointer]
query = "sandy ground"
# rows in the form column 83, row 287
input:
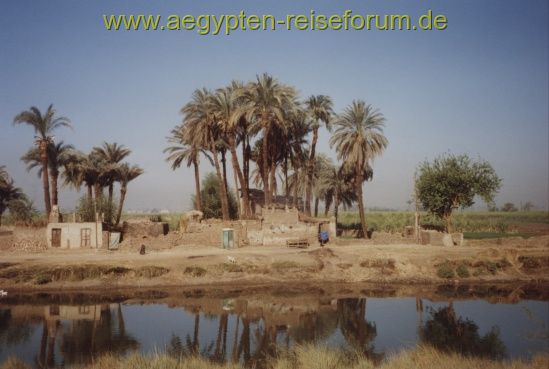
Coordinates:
column 506, row 260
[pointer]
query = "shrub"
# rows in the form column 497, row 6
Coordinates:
column 87, row 207
column 43, row 279
column 462, row 271
column 445, row 271
column 492, row 267
column 232, row 268
column 195, row 271
column 156, row 218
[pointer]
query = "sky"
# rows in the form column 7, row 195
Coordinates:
column 479, row 87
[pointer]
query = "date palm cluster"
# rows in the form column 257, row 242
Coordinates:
column 98, row 170
column 264, row 123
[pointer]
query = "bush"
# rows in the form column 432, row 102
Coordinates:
column 43, row 279
column 157, row 218
column 211, row 200
column 462, row 271
column 195, row 271
column 445, row 271
column 87, row 207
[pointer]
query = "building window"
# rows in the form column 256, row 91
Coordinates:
column 85, row 237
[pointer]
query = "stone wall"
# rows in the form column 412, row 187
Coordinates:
column 435, row 238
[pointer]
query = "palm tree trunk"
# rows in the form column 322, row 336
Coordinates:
column 327, row 205
column 223, row 194
column 296, row 174
column 286, row 184
column 273, row 185
column 98, row 191
column 123, row 190
column 54, row 190
column 359, row 182
column 248, row 156
column 310, row 172
column 336, row 206
column 238, row 174
column 224, row 167
column 317, row 200
column 45, row 175
column 198, row 199
column 90, row 193
column 109, row 214
column 266, row 189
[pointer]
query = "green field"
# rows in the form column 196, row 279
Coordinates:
column 474, row 224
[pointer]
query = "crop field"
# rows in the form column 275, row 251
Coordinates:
column 474, row 224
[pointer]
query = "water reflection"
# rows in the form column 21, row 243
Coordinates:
column 448, row 332
column 243, row 330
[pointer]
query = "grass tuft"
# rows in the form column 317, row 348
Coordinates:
column 445, row 270
column 310, row 356
column 195, row 271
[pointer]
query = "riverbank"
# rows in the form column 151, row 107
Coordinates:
column 310, row 356
column 344, row 264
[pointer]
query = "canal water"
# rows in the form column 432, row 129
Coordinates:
column 55, row 331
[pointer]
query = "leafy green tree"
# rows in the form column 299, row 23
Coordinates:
column 44, row 125
column 453, row 181
column 211, row 200
column 87, row 208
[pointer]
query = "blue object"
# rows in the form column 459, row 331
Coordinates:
column 324, row 236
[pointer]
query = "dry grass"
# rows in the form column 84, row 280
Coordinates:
column 74, row 273
column 312, row 357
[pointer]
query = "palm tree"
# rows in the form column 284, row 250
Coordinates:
column 358, row 139
column 322, row 165
column 224, row 107
column 126, row 174
column 8, row 192
column 200, row 120
column 267, row 103
column 44, row 125
column 185, row 149
column 319, row 107
column 111, row 154
column 59, row 155
column 88, row 170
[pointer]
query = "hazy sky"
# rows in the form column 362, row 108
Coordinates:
column 479, row 87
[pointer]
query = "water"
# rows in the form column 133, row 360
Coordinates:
column 62, row 330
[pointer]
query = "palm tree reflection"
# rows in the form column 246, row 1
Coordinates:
column 357, row 331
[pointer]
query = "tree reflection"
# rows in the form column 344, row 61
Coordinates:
column 446, row 331
column 86, row 339
column 357, row 331
column 314, row 326
column 10, row 333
